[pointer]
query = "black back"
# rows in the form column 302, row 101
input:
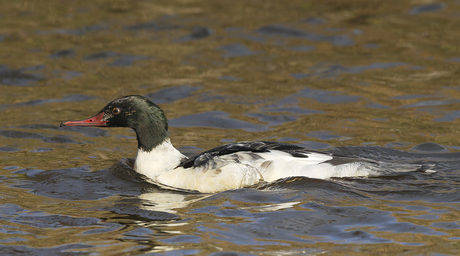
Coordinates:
column 247, row 146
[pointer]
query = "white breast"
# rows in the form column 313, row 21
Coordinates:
column 162, row 158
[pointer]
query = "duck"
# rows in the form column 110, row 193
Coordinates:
column 230, row 166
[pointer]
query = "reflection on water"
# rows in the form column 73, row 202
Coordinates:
column 375, row 80
column 167, row 202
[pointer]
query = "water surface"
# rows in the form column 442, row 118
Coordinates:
column 366, row 79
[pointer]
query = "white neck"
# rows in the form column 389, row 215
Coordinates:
column 160, row 159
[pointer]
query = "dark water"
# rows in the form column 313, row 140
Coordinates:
column 374, row 79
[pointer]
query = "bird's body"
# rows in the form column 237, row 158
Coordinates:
column 230, row 166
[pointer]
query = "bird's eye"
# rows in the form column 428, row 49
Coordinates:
column 116, row 111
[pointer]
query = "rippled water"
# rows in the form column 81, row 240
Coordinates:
column 374, row 79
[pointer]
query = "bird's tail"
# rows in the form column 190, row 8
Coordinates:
column 390, row 169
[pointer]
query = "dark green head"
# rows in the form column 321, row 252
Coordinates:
column 134, row 111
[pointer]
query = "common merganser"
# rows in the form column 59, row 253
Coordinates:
column 226, row 167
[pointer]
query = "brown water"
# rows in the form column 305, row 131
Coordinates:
column 375, row 79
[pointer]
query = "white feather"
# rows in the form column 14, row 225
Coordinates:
column 162, row 158
column 276, row 164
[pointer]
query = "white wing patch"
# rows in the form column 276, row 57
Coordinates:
column 275, row 164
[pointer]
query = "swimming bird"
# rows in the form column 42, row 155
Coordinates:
column 226, row 167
